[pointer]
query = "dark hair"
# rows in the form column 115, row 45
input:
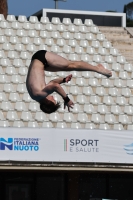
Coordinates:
column 48, row 106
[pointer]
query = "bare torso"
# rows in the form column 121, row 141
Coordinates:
column 35, row 78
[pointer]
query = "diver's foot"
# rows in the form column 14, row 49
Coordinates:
column 103, row 71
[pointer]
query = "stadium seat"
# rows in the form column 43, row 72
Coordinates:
column 76, row 108
column 95, row 44
column 89, row 36
column 13, row 96
column 2, row 18
column 123, row 75
column 82, row 118
column 3, row 39
column 9, row 32
column 47, row 125
column 34, row 106
column 37, row 41
column 22, row 18
column 102, row 51
column 116, row 109
column 31, row 48
column 26, row 40
column 107, row 44
column 61, row 125
column 106, row 82
column 97, row 58
column 130, row 83
column 121, row 59
column 90, row 126
column 118, row 127
column 20, row 106
column 100, row 91
column 60, row 27
column 33, row 19
column 50, row 27
column 23, row 71
column 94, row 29
column 80, row 81
column 33, row 124
column 14, row 40
column 18, row 62
column 4, row 123
column 21, row 33
column 21, row 88
column 90, row 50
column 104, row 126
column 4, row 24
column 84, row 43
column 6, row 105
column 94, row 99
column 75, row 125
column 100, row 37
column 12, row 54
column 69, row 117
column 110, row 118
column 49, row 41
column 5, row 62
column 82, row 29
column 114, row 51
column 11, row 18
column 79, row 50
column 109, row 59
column 72, row 28
column 24, row 55
column 66, row 21
column 116, row 67
column 77, row 22
column 40, row 116
column 44, row 34
column 113, row 91
column 19, row 47
column 55, row 34
column 44, row 20
column 18, row 124
column 3, row 97
column 15, row 78
column 89, row 108
column 87, row 90
column 108, row 100
column 26, row 97
column 81, row 99
column 128, row 67
column 124, row 119
column 93, row 82
column 38, row 26
column 55, row 48
column 12, row 116
column 54, row 117
column 102, row 109
column 126, row 92
column 16, row 25
column 4, row 78
column 120, row 100
column 75, row 90
column 27, row 26
column 128, row 109
column 73, row 57
column 56, row 20
column 88, row 22
column 119, row 83
column 32, row 33
column 67, row 49
column 26, row 116
column 96, row 118
column 78, row 36
column 8, row 87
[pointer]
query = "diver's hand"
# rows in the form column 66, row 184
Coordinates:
column 70, row 104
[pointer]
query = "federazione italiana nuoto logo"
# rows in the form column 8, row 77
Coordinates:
column 19, row 144
column 81, row 145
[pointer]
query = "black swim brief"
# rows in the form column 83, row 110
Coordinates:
column 40, row 55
